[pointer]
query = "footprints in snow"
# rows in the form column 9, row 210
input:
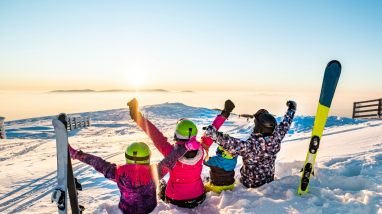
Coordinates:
column 351, row 173
column 344, row 173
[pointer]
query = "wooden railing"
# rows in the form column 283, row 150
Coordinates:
column 368, row 109
column 246, row 115
column 2, row 129
column 78, row 122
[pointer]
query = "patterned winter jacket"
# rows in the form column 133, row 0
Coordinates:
column 136, row 197
column 258, row 152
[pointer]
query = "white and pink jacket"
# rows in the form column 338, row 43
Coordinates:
column 185, row 181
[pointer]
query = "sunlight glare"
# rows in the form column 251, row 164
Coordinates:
column 136, row 78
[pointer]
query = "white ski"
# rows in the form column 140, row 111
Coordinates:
column 60, row 193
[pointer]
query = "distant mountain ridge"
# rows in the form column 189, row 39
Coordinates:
column 84, row 90
column 112, row 90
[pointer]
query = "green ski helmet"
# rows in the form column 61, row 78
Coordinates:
column 138, row 152
column 185, row 130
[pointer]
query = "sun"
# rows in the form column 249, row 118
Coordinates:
column 136, row 78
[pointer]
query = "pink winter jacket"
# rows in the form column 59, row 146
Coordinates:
column 185, row 181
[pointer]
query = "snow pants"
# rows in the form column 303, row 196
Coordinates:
column 189, row 203
column 218, row 189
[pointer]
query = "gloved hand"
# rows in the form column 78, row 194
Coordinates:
column 212, row 132
column 207, row 141
column 192, row 144
column 133, row 106
column 73, row 153
column 228, row 107
column 292, row 105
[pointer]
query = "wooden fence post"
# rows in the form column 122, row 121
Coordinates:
column 78, row 122
column 75, row 122
column 379, row 108
column 71, row 124
column 2, row 129
column 69, row 128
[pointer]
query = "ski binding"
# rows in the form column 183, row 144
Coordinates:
column 58, row 196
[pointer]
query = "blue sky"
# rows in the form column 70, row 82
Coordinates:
column 262, row 46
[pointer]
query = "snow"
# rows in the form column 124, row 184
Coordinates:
column 347, row 175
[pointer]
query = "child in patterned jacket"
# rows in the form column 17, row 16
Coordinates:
column 259, row 152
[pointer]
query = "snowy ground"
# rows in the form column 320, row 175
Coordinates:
column 347, row 174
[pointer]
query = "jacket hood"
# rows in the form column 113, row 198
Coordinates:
column 194, row 160
column 224, row 163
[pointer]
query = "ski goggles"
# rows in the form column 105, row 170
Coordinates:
column 223, row 153
column 135, row 158
column 178, row 137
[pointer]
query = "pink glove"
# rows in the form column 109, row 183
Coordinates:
column 73, row 153
column 192, row 144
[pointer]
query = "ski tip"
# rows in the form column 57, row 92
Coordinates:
column 63, row 118
column 334, row 61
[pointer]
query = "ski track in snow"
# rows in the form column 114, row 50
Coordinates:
column 347, row 174
column 42, row 189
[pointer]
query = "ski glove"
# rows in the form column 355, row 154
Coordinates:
column 192, row 144
column 206, row 141
column 134, row 113
column 228, row 107
column 212, row 132
column 292, row 105
column 73, row 153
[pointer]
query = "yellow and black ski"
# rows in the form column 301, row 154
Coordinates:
column 329, row 85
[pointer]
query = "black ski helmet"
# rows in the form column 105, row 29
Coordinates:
column 265, row 123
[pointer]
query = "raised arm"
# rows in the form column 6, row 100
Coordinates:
column 272, row 144
column 169, row 162
column 258, row 145
column 219, row 120
column 233, row 145
column 159, row 140
column 284, row 126
column 99, row 164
